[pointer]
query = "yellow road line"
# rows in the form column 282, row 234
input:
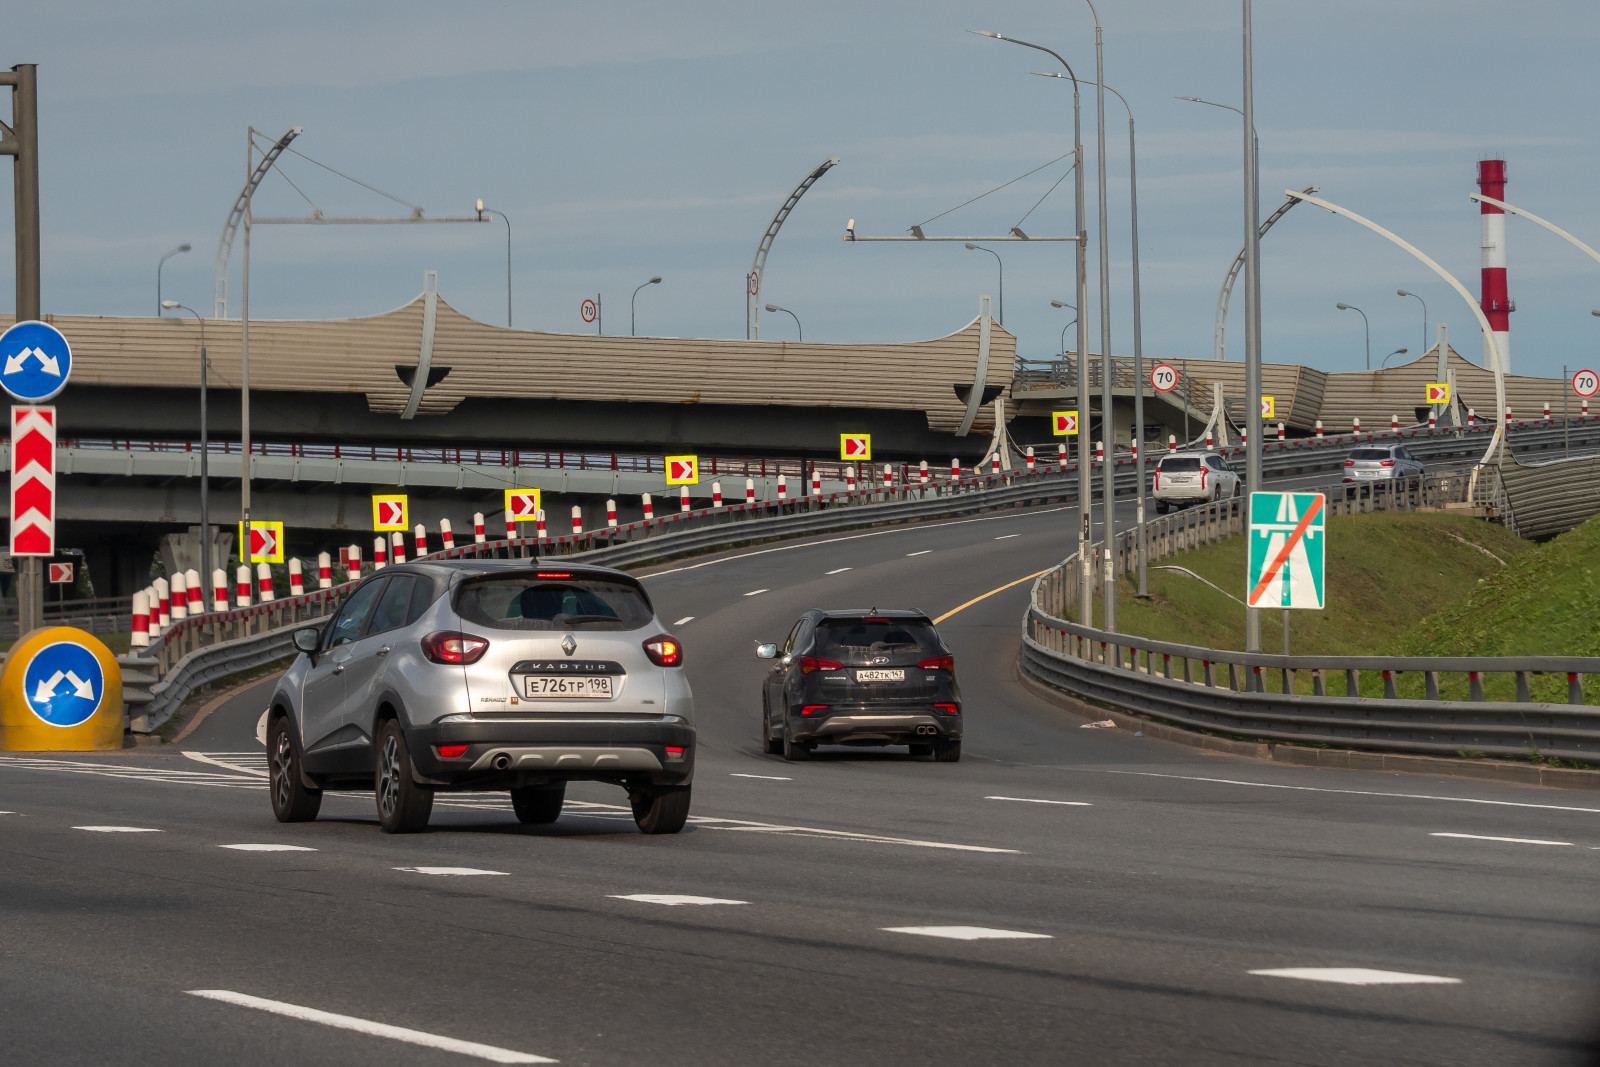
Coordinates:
column 991, row 593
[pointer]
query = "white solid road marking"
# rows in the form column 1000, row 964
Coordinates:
column 1007, row 537
column 731, row 774
column 261, row 728
column 967, row 933
column 365, row 1026
column 269, row 848
column 713, row 823
column 672, row 899
column 1357, row 976
column 1363, row 792
column 1030, row 800
column 1507, row 840
column 447, row 870
column 924, row 552
column 686, row 618
column 236, row 766
column 118, row 829
column 840, row 570
column 755, row 592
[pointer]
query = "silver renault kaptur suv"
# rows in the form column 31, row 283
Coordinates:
column 516, row 675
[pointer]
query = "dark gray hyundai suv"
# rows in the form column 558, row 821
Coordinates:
column 862, row 678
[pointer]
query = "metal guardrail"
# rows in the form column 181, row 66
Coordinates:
column 1264, row 696
column 150, row 708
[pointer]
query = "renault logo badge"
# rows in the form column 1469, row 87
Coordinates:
column 569, row 644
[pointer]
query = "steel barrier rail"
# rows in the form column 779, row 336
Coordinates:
column 150, row 708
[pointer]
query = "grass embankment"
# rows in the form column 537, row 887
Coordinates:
column 1402, row 584
column 1386, row 573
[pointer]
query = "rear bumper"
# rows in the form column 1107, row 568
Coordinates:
column 505, row 753
column 885, row 725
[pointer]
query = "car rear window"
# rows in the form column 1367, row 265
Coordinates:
column 535, row 602
column 850, row 636
column 1370, row 453
column 1180, row 463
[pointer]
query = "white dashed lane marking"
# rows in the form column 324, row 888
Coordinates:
column 1362, row 792
column 269, row 848
column 967, row 933
column 733, row 774
column 755, row 592
column 1031, row 800
column 448, row 871
column 118, row 829
column 686, row 618
column 1007, row 537
column 840, row 570
column 924, row 552
column 1505, row 840
column 672, row 899
column 492, row 1053
column 1356, row 976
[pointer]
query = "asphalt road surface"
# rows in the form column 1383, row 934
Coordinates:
column 1064, row 895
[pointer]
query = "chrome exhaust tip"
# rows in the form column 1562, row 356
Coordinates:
column 502, row 762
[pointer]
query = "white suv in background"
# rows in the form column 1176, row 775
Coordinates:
column 1192, row 477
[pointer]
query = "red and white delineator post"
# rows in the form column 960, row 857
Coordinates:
column 380, row 552
column 297, row 581
column 611, row 514
column 140, row 636
column 399, row 552
column 716, row 494
column 241, row 586
column 180, row 597
column 577, row 521
column 219, row 590
column 683, row 499
column 447, row 536
column 324, row 571
column 264, row 581
column 478, row 536
column 649, row 508
column 197, row 599
column 353, row 563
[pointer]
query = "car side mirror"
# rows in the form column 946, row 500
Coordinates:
column 307, row 638
column 766, row 652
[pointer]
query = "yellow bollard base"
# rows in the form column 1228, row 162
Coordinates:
column 60, row 691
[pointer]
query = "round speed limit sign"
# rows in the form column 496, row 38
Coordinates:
column 1164, row 377
column 588, row 310
column 1586, row 383
column 755, row 283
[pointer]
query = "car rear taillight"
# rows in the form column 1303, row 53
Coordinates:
column 812, row 663
column 1349, row 463
column 674, row 752
column 450, row 751
column 1387, row 463
column 948, row 709
column 448, row 646
column 554, row 574
column 938, row 663
column 1202, row 477
column 664, row 651
column 812, row 709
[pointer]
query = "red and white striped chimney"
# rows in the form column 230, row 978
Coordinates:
column 1497, row 305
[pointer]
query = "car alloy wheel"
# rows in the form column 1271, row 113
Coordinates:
column 291, row 800
column 389, row 777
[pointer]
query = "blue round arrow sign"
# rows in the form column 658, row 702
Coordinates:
column 63, row 683
column 35, row 361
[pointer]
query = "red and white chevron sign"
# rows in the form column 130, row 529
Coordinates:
column 33, row 481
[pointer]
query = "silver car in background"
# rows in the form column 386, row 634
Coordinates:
column 1376, row 462
column 1193, row 477
column 514, row 675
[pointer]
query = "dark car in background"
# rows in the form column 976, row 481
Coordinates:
column 861, row 677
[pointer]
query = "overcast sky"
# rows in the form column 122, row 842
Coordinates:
column 630, row 139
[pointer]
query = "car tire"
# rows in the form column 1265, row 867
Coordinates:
column 403, row 805
column 773, row 745
column 537, row 805
column 291, row 800
column 1238, row 489
column 921, row 748
column 1161, row 507
column 794, row 750
column 661, row 810
column 947, row 751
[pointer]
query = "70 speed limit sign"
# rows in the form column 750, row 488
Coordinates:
column 1586, row 383
column 1164, row 377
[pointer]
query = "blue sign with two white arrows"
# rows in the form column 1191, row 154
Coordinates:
column 35, row 361
column 63, row 683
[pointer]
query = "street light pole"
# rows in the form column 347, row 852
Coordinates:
column 1252, row 318
column 774, row 308
column 1107, row 413
column 205, row 465
column 1064, row 329
column 482, row 211
column 979, row 248
column 631, row 301
column 1424, row 303
column 1366, row 327
column 1397, row 352
column 159, row 264
column 1085, row 520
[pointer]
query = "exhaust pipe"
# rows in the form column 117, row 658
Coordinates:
column 925, row 730
column 502, row 762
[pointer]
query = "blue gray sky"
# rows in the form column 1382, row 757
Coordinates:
column 628, row 139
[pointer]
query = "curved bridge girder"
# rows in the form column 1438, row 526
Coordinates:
column 1223, row 298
